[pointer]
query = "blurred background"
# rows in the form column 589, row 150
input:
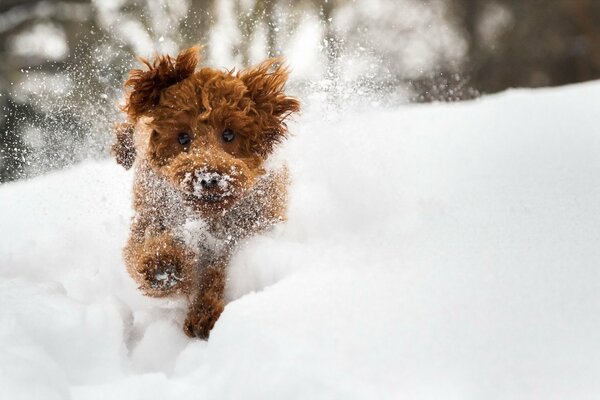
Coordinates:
column 63, row 62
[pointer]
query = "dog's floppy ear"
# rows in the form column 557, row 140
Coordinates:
column 147, row 84
column 123, row 148
column 265, row 83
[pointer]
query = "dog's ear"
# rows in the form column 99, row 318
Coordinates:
column 123, row 148
column 147, row 84
column 265, row 83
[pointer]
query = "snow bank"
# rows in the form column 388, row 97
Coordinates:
column 432, row 251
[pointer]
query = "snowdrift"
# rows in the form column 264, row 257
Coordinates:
column 445, row 251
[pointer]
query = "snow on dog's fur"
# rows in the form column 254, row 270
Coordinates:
column 199, row 139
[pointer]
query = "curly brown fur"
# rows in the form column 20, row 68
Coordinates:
column 123, row 148
column 148, row 84
column 208, row 305
column 196, row 192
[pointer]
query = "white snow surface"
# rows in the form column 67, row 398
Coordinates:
column 444, row 251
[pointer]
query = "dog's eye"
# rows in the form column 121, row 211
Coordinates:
column 228, row 135
column 184, row 138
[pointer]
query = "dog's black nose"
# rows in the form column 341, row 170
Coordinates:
column 209, row 183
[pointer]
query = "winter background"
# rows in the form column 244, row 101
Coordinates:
column 444, row 218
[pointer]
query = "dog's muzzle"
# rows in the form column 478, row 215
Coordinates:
column 208, row 186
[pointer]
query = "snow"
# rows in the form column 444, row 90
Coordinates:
column 45, row 40
column 444, row 251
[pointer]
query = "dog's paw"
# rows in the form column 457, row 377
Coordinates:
column 166, row 272
column 202, row 318
column 164, row 276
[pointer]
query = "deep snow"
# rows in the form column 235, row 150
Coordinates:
column 445, row 251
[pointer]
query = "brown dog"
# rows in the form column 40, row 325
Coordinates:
column 199, row 140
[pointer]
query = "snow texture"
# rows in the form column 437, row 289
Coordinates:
column 445, row 251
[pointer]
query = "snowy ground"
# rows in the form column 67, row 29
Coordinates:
column 432, row 252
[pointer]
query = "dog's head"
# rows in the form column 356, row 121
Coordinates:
column 211, row 130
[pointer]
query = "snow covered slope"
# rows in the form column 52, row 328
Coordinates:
column 446, row 251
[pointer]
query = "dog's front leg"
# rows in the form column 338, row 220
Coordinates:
column 161, row 265
column 208, row 304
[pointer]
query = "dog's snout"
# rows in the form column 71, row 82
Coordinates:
column 209, row 183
